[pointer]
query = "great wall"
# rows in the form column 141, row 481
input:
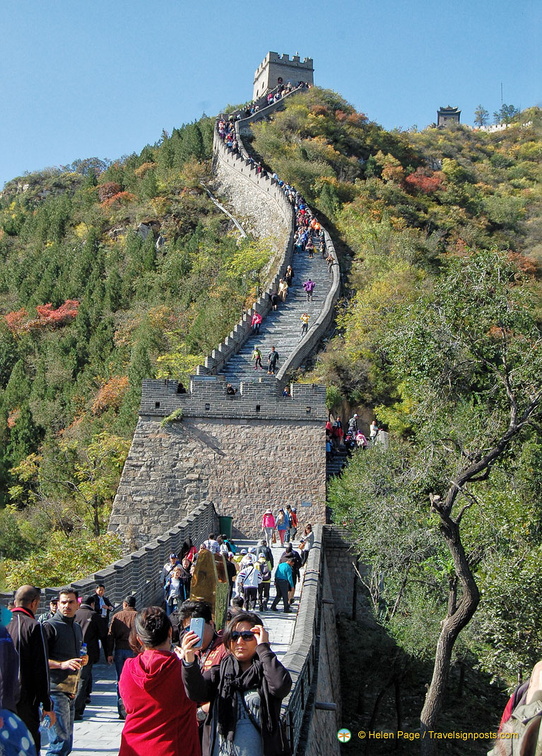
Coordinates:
column 199, row 455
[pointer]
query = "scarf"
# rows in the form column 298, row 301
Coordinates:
column 232, row 681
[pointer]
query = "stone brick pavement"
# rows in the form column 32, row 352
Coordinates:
column 100, row 731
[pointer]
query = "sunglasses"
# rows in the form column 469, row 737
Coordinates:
column 244, row 634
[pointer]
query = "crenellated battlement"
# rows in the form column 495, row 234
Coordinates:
column 260, row 399
column 276, row 69
column 295, row 60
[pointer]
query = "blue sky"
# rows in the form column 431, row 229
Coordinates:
column 81, row 79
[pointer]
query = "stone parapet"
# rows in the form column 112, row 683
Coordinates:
column 138, row 573
column 258, row 399
column 312, row 661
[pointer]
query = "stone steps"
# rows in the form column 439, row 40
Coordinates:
column 337, row 463
column 282, row 328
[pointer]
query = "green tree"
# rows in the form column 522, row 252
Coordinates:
column 505, row 114
column 24, row 436
column 481, row 116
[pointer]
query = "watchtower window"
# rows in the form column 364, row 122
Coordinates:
column 207, row 407
column 157, row 405
column 257, row 408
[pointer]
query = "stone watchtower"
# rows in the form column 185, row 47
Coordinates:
column 448, row 116
column 275, row 67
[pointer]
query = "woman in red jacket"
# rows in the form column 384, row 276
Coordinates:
column 160, row 719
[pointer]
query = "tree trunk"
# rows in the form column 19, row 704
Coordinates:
column 96, row 515
column 455, row 621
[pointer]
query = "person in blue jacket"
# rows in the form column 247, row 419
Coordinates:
column 284, row 582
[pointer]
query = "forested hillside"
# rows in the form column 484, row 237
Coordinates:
column 111, row 273
column 115, row 272
column 440, row 335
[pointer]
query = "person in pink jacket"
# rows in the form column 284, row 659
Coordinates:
column 268, row 524
column 256, row 323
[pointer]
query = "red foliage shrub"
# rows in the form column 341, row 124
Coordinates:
column 15, row 320
column 19, row 322
column 118, row 198
column 424, row 182
column 108, row 190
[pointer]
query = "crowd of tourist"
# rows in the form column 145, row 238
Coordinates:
column 178, row 691
column 226, row 124
column 354, row 438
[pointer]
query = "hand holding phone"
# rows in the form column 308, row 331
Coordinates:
column 197, row 625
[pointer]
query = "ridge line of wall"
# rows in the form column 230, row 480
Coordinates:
column 242, row 331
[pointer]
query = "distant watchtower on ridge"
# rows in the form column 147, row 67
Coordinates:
column 275, row 67
column 447, row 116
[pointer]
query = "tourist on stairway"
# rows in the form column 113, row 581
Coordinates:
column 282, row 523
column 118, row 643
column 211, row 544
column 177, row 588
column 307, row 542
column 94, row 633
column 257, row 358
column 268, row 524
column 265, row 585
column 63, row 639
column 272, row 360
column 248, row 581
column 256, row 323
column 295, row 559
column 309, row 288
column 33, row 675
column 263, row 549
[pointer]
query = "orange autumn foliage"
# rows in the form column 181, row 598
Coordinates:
column 48, row 317
column 117, row 199
column 111, row 394
column 424, row 182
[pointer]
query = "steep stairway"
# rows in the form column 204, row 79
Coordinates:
column 282, row 328
column 336, row 464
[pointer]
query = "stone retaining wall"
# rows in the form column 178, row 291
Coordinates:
column 312, row 660
column 243, row 452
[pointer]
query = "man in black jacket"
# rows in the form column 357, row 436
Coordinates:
column 93, row 632
column 101, row 604
column 34, row 669
column 63, row 637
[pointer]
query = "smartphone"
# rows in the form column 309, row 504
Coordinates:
column 196, row 626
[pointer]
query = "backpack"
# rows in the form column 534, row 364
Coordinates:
column 521, row 735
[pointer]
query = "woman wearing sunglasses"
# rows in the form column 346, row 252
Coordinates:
column 245, row 690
